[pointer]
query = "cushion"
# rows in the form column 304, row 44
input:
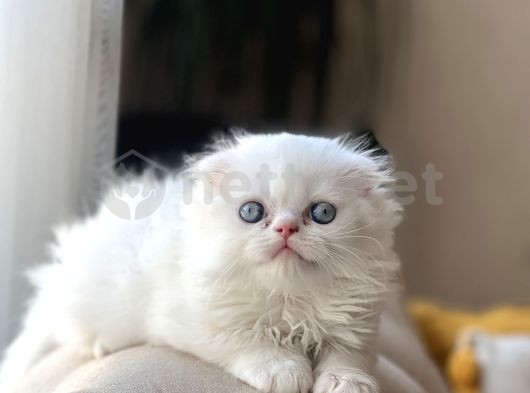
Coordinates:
column 402, row 367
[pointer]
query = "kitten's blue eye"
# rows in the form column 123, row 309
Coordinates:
column 251, row 212
column 323, row 212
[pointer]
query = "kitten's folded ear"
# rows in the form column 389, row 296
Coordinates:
column 213, row 165
column 367, row 141
column 376, row 174
column 210, row 168
column 364, row 141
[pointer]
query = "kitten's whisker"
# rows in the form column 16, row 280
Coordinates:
column 367, row 254
column 335, row 266
column 368, row 278
column 347, row 232
column 223, row 279
column 338, row 229
column 334, row 232
column 330, row 260
column 361, row 273
column 323, row 263
column 345, row 249
column 337, row 237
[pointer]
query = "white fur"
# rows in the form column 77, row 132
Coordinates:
column 197, row 278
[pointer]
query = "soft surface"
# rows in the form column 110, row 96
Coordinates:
column 446, row 333
column 402, row 367
column 504, row 362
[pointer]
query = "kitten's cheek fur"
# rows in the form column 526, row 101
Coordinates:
column 273, row 370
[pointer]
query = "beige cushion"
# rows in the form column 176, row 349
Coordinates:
column 402, row 367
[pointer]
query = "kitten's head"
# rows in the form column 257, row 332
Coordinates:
column 289, row 212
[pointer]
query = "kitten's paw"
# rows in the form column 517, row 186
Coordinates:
column 350, row 382
column 276, row 374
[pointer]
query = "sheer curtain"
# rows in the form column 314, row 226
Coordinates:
column 59, row 75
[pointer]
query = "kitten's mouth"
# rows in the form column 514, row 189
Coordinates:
column 286, row 251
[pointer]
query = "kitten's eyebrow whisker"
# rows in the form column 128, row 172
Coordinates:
column 338, row 188
column 358, row 175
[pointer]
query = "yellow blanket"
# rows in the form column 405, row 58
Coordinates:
column 445, row 332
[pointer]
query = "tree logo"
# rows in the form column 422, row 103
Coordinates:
column 132, row 196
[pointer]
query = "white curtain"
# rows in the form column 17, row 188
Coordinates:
column 59, row 76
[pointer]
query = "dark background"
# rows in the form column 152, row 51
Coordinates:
column 191, row 68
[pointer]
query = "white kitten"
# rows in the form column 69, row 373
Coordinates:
column 275, row 270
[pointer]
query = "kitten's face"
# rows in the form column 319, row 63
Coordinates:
column 291, row 211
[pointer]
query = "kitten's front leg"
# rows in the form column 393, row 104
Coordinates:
column 338, row 372
column 272, row 369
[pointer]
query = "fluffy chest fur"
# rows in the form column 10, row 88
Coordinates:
column 341, row 317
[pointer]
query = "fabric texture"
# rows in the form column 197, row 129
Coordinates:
column 403, row 367
column 503, row 361
column 441, row 327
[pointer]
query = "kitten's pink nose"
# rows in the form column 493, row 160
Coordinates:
column 286, row 228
